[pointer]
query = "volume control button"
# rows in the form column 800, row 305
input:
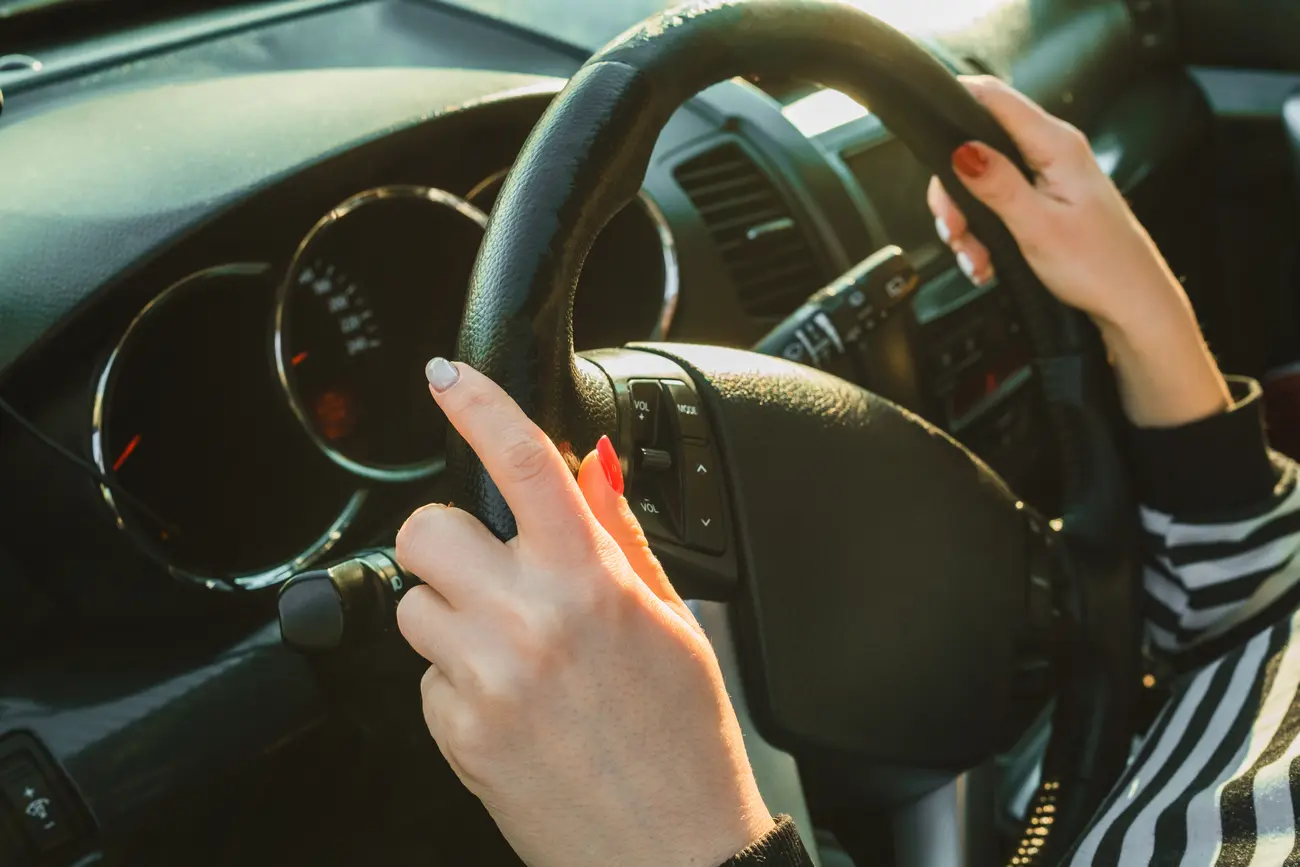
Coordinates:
column 645, row 394
column 652, row 512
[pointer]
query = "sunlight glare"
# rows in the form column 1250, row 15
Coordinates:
column 823, row 111
column 927, row 16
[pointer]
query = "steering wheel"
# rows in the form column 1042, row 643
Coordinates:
column 890, row 597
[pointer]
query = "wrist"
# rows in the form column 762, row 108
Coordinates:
column 1150, row 306
column 1166, row 374
column 756, row 824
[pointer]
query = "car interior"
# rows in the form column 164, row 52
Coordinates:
column 897, row 500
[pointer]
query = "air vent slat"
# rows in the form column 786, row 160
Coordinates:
column 706, row 167
column 752, row 201
column 775, row 280
column 777, row 269
column 768, row 271
column 746, row 220
column 705, row 191
column 777, row 248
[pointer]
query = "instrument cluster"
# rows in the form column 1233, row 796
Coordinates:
column 248, row 414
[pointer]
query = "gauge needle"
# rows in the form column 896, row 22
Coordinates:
column 299, row 359
column 126, row 452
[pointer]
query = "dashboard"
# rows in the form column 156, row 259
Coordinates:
column 266, row 381
column 218, row 308
column 262, row 405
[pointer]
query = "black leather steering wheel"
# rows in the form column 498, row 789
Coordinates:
column 888, row 591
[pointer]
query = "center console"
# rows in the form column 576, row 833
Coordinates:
column 977, row 380
column 961, row 358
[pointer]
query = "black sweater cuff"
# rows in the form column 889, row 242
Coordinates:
column 1214, row 465
column 781, row 847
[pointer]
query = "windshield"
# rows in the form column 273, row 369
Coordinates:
column 592, row 23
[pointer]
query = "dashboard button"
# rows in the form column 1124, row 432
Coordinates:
column 645, row 410
column 686, row 408
column 705, row 529
column 40, row 810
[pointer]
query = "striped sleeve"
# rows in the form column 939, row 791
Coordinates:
column 1222, row 521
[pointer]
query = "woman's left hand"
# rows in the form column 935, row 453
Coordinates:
column 570, row 688
column 1082, row 240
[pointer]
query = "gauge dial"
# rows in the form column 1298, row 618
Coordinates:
column 629, row 283
column 375, row 291
column 210, row 473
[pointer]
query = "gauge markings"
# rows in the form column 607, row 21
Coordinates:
column 358, row 345
column 373, row 292
column 126, row 452
column 345, row 305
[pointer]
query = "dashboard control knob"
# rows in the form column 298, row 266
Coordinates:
column 350, row 603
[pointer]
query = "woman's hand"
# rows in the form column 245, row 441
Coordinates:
column 1078, row 234
column 570, row 688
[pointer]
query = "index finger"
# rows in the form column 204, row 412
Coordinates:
column 526, row 466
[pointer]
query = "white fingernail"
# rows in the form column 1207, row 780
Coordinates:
column 945, row 234
column 967, row 266
column 442, row 374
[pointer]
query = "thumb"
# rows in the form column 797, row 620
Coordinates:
column 996, row 181
column 603, row 491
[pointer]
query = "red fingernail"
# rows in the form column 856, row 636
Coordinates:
column 970, row 161
column 609, row 463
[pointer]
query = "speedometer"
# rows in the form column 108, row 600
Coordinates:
column 375, row 291
column 207, row 470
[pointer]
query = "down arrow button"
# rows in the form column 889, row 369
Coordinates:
column 705, row 529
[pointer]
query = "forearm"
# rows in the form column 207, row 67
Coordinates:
column 1167, row 376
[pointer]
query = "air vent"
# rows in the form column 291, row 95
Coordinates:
column 769, row 257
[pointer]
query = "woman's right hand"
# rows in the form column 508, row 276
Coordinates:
column 569, row 686
column 1082, row 240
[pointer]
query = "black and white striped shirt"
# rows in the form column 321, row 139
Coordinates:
column 1216, row 781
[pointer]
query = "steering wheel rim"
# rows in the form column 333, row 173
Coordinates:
column 587, row 158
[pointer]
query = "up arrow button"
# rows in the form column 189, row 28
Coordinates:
column 702, row 499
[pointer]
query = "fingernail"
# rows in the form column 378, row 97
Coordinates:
column 609, row 463
column 945, row 234
column 442, row 374
column 967, row 266
column 970, row 161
